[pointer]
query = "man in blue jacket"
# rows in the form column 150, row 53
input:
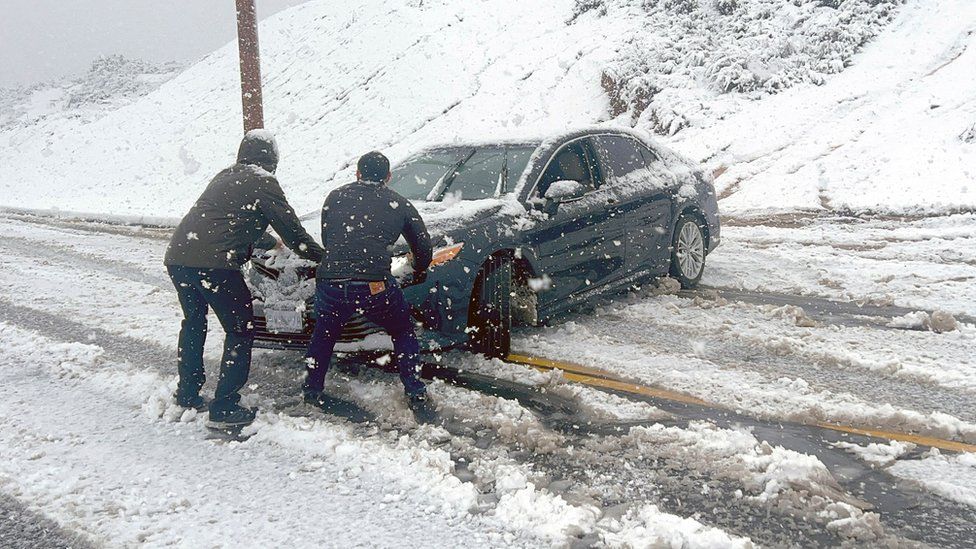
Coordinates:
column 361, row 222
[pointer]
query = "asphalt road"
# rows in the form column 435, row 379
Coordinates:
column 21, row 528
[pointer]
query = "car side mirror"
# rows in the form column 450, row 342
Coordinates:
column 564, row 190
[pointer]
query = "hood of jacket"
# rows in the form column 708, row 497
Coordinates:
column 259, row 148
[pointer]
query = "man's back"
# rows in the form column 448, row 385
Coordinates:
column 218, row 230
column 234, row 211
column 361, row 222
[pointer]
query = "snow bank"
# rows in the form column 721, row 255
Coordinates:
column 877, row 453
column 649, row 527
column 883, row 135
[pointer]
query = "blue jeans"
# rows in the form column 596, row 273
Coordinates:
column 223, row 290
column 336, row 302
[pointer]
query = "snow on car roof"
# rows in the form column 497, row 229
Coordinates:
column 536, row 140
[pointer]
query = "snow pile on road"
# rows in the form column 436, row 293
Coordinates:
column 953, row 476
column 877, row 453
column 936, row 321
column 649, row 527
column 769, row 474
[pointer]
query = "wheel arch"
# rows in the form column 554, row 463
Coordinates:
column 694, row 211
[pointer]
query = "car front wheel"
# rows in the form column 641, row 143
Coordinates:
column 490, row 316
column 688, row 251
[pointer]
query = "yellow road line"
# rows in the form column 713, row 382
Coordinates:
column 564, row 366
column 921, row 440
column 603, row 378
column 596, row 377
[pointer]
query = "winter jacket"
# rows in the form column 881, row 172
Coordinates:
column 233, row 213
column 361, row 222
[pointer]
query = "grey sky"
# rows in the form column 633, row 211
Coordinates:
column 43, row 39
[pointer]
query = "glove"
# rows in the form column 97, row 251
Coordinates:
column 419, row 277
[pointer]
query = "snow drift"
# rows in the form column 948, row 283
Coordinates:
column 886, row 134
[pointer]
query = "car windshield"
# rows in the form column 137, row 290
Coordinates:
column 417, row 177
column 473, row 173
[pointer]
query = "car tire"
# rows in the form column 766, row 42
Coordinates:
column 490, row 316
column 688, row 251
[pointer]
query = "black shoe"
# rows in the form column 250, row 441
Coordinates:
column 197, row 402
column 422, row 407
column 313, row 398
column 233, row 417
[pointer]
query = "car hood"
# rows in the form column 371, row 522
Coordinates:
column 441, row 218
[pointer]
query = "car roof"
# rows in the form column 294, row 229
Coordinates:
column 538, row 140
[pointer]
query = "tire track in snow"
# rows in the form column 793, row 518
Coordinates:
column 63, row 254
column 730, row 354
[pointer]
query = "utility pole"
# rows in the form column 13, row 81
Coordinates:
column 247, row 47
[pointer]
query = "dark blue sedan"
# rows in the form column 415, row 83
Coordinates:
column 523, row 232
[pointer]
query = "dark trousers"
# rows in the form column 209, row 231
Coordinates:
column 223, row 290
column 336, row 302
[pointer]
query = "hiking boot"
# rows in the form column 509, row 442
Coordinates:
column 196, row 402
column 237, row 416
column 422, row 407
column 314, row 398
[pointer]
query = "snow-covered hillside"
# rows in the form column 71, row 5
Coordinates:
column 888, row 133
column 111, row 83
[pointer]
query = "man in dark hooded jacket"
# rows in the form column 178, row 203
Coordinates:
column 204, row 258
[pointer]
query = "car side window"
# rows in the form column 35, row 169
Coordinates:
column 571, row 162
column 650, row 156
column 621, row 155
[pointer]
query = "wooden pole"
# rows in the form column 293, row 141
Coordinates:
column 247, row 46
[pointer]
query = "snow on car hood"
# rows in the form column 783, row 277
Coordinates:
column 441, row 217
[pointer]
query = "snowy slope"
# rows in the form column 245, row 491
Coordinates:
column 885, row 134
column 338, row 83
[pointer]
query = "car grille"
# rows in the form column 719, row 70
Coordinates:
column 356, row 329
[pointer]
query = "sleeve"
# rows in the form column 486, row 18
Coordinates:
column 415, row 233
column 271, row 201
column 266, row 242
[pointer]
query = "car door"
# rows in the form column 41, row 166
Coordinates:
column 580, row 246
column 635, row 172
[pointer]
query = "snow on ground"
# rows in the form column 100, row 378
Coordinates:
column 79, row 470
column 922, row 263
column 117, row 290
column 953, row 476
column 111, row 470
